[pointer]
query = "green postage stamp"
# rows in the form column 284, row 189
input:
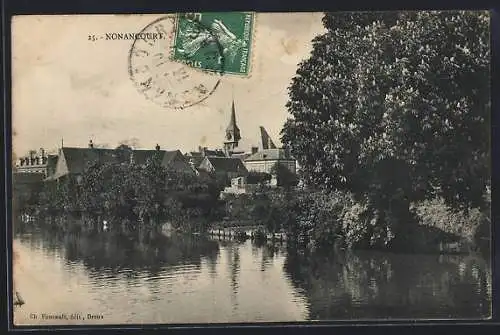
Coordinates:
column 220, row 42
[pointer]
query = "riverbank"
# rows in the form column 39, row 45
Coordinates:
column 336, row 220
column 309, row 218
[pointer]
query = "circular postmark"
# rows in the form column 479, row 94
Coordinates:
column 176, row 69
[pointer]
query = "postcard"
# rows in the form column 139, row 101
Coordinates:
column 246, row 167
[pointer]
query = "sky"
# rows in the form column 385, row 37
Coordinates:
column 65, row 87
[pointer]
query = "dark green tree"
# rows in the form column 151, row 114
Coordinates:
column 154, row 192
column 394, row 107
column 284, row 176
column 254, row 177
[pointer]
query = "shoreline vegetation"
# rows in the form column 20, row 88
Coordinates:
column 147, row 200
column 389, row 123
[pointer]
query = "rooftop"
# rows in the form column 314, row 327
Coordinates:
column 269, row 154
column 77, row 158
column 227, row 164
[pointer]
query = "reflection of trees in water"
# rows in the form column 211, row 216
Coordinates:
column 255, row 250
column 113, row 254
column 212, row 257
column 269, row 253
column 380, row 285
column 472, row 279
column 233, row 263
column 27, row 233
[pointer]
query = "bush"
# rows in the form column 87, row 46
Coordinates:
column 150, row 193
column 328, row 220
column 465, row 224
column 284, row 176
column 258, row 177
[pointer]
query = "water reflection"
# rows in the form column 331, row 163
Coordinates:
column 370, row 285
column 184, row 279
column 111, row 254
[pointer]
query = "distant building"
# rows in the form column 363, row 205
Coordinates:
column 224, row 167
column 74, row 161
column 233, row 135
column 37, row 162
column 245, row 155
column 264, row 160
column 196, row 157
column 256, row 160
column 239, row 186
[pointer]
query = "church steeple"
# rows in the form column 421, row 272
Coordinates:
column 232, row 132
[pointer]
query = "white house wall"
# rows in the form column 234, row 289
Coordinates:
column 267, row 165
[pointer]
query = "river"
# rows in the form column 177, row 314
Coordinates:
column 194, row 279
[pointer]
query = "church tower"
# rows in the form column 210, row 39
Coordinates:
column 232, row 134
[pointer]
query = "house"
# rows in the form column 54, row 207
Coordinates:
column 264, row 160
column 174, row 160
column 224, row 167
column 239, row 186
column 196, row 157
column 37, row 162
column 241, row 156
column 74, row 161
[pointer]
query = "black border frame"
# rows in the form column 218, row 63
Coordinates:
column 50, row 7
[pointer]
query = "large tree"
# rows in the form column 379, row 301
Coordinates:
column 395, row 108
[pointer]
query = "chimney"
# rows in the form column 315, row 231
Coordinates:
column 132, row 157
column 91, row 144
column 21, row 161
column 157, row 147
column 254, row 150
column 37, row 160
column 42, row 153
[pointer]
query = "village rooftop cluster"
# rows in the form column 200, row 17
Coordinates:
column 230, row 162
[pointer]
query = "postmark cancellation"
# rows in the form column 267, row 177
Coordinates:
column 185, row 66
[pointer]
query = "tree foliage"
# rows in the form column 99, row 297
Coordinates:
column 394, row 107
column 255, row 177
column 122, row 191
column 284, row 176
